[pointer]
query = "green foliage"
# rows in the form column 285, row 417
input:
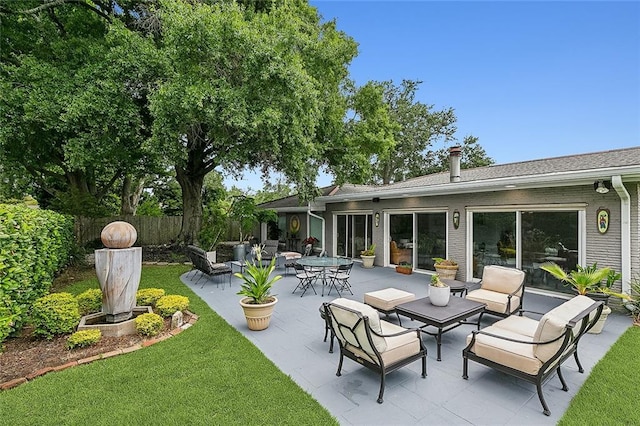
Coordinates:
column 53, row 314
column 439, row 261
column 84, row 338
column 149, row 296
column 435, row 281
column 257, row 280
column 168, row 305
column 584, row 280
column 34, row 245
column 371, row 251
column 90, row 301
column 149, row 324
column 198, row 358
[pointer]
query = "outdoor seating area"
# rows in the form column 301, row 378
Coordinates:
column 488, row 396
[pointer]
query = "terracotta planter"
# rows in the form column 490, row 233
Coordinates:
column 439, row 296
column 447, row 272
column 367, row 261
column 404, row 270
column 258, row 316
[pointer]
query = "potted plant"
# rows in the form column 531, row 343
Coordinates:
column 587, row 281
column 404, row 268
column 368, row 255
column 258, row 302
column 439, row 292
column 446, row 268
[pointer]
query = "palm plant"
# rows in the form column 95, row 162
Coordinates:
column 257, row 280
column 583, row 280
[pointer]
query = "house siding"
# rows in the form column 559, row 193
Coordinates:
column 605, row 249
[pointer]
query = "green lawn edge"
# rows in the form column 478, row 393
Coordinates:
column 208, row 374
column 609, row 396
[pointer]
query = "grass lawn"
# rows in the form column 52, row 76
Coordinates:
column 610, row 395
column 208, row 374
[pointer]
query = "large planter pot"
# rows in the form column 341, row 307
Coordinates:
column 367, row 261
column 447, row 272
column 258, row 316
column 439, row 296
column 597, row 328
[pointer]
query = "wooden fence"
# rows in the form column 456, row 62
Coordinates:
column 151, row 230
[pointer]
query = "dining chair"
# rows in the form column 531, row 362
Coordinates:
column 339, row 280
column 306, row 279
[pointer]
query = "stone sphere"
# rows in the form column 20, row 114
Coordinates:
column 118, row 235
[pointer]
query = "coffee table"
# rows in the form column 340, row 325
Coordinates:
column 444, row 318
column 457, row 287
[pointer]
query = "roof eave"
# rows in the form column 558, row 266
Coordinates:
column 556, row 179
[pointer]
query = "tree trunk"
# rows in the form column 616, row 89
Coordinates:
column 191, row 205
column 130, row 195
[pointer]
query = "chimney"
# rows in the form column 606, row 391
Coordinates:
column 454, row 163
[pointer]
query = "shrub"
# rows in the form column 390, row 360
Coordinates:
column 149, row 296
column 149, row 324
column 35, row 245
column 56, row 313
column 84, row 338
column 90, row 301
column 168, row 305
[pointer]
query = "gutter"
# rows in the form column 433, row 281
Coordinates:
column 324, row 237
column 625, row 229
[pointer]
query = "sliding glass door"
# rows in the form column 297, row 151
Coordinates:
column 353, row 233
column 525, row 240
column 417, row 238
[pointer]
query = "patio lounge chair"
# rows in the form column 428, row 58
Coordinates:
column 501, row 289
column 532, row 350
column 378, row 345
column 200, row 263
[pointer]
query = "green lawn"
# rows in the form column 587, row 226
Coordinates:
column 610, row 394
column 209, row 374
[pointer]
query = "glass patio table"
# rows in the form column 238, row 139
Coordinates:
column 322, row 264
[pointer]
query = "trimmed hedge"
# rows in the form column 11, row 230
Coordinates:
column 34, row 245
column 55, row 313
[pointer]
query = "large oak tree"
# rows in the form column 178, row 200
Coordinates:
column 248, row 89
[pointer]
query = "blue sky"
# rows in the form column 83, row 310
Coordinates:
column 529, row 79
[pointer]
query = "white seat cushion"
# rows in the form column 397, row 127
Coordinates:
column 398, row 347
column 519, row 356
column 517, row 324
column 388, row 298
column 495, row 301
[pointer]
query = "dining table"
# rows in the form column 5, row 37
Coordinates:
column 321, row 264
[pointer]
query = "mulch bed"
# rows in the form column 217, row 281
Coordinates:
column 26, row 356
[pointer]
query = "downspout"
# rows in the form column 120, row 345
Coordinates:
column 625, row 229
column 324, row 237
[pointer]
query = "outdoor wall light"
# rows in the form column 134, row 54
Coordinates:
column 602, row 186
column 456, row 219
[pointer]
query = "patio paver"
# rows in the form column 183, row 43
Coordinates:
column 294, row 343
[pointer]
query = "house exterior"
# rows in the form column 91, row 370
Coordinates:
column 573, row 210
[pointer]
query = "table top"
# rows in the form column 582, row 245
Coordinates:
column 455, row 285
column 456, row 310
column 323, row 262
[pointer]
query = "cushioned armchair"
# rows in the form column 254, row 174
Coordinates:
column 398, row 255
column 377, row 344
column 533, row 350
column 201, row 263
column 501, row 289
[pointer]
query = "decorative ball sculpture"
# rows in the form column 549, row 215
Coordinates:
column 118, row 235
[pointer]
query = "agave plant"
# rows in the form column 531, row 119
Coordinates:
column 583, row 280
column 257, row 280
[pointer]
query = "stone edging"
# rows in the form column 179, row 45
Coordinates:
column 146, row 343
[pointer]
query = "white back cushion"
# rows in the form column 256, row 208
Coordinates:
column 501, row 279
column 349, row 319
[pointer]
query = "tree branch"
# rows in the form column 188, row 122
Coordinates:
column 56, row 3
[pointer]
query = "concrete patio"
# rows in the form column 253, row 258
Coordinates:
column 294, row 342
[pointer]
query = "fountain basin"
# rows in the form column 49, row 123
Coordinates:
column 123, row 328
